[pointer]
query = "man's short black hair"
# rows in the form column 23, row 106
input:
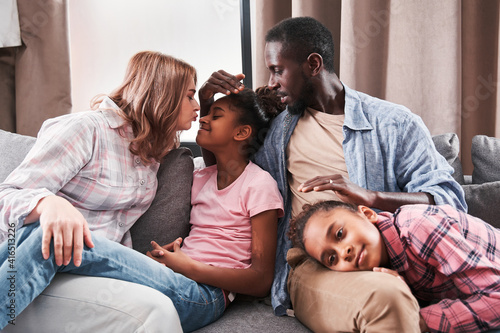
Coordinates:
column 301, row 36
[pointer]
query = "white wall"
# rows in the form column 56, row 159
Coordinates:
column 104, row 34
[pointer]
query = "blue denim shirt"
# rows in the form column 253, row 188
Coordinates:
column 386, row 147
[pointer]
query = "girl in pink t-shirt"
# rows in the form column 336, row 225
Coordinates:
column 235, row 207
column 231, row 248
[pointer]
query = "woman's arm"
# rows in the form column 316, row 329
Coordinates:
column 62, row 148
column 60, row 220
column 255, row 280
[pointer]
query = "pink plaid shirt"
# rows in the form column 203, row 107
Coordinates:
column 83, row 158
column 448, row 256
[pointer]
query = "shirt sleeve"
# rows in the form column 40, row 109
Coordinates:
column 475, row 305
column 263, row 195
column 61, row 150
column 420, row 167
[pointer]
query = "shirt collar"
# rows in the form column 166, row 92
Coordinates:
column 355, row 118
column 111, row 113
column 391, row 236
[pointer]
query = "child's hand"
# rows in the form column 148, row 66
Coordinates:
column 388, row 271
column 160, row 252
column 173, row 258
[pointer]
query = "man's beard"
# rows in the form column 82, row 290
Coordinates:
column 297, row 108
column 301, row 104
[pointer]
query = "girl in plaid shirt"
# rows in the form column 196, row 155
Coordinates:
column 449, row 259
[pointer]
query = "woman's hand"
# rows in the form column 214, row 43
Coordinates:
column 66, row 225
column 346, row 190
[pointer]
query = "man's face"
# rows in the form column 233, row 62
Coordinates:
column 288, row 78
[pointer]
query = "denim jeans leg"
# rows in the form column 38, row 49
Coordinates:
column 197, row 304
column 26, row 276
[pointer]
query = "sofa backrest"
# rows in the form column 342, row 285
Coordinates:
column 483, row 193
column 13, row 149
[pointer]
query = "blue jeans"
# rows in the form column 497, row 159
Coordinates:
column 22, row 280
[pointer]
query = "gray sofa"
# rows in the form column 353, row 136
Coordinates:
column 168, row 218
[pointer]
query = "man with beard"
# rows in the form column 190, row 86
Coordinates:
column 336, row 143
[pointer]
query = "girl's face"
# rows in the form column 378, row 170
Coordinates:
column 218, row 127
column 345, row 241
column 189, row 107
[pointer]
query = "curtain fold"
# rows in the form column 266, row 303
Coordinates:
column 438, row 58
column 35, row 77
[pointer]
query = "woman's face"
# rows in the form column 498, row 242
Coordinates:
column 189, row 109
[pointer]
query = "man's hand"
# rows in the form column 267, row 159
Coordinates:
column 346, row 190
column 67, row 226
column 220, row 82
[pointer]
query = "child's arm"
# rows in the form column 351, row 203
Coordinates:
column 255, row 280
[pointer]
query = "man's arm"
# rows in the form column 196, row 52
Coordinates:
column 219, row 82
column 422, row 175
column 347, row 191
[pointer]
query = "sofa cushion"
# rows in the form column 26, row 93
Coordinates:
column 251, row 314
column 485, row 153
column 448, row 145
column 13, row 149
column 482, row 200
column 73, row 303
column 168, row 216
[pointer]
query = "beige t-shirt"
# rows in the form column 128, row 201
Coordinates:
column 315, row 149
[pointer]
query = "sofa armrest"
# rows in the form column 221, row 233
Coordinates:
column 168, row 216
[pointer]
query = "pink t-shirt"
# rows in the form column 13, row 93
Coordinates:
column 221, row 230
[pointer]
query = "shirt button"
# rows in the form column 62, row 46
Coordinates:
column 137, row 160
column 142, row 182
column 121, row 224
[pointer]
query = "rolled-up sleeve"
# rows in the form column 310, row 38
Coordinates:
column 420, row 168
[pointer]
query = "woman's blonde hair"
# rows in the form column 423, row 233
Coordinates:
column 150, row 98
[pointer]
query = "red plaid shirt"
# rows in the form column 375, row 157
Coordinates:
column 450, row 257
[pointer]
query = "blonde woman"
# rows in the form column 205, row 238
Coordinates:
column 96, row 170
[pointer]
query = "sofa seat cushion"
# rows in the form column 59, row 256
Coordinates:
column 251, row 314
column 74, row 303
